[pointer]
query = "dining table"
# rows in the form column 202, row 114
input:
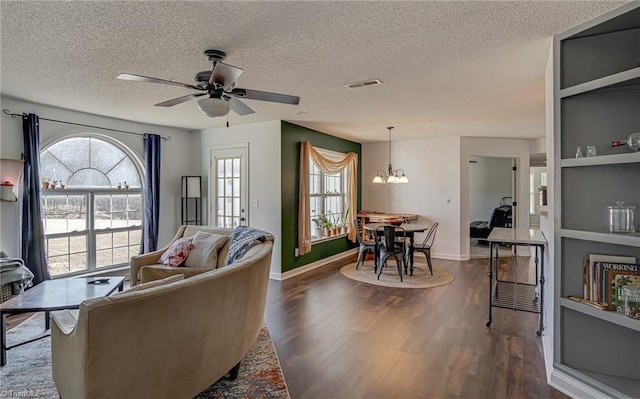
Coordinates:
column 410, row 229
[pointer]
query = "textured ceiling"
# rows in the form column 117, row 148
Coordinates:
column 449, row 68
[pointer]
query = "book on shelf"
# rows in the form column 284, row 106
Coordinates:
column 620, row 281
column 608, row 272
column 599, row 273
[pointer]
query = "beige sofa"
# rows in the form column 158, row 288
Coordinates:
column 168, row 338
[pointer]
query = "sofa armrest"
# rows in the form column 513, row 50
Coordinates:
column 68, row 353
column 139, row 261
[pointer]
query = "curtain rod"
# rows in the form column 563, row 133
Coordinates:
column 7, row 112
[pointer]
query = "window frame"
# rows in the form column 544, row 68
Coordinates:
column 323, row 195
column 90, row 194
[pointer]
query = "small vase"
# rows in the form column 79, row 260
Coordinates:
column 62, row 186
column 45, row 185
column 325, row 233
column 52, row 186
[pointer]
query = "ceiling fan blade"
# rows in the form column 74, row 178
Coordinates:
column 265, row 96
column 225, row 75
column 179, row 100
column 140, row 78
column 239, row 107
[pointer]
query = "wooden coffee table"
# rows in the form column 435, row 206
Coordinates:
column 51, row 295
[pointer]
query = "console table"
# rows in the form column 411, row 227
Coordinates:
column 512, row 294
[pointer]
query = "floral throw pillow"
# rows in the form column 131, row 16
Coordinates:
column 177, row 253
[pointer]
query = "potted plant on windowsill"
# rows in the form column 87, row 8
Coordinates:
column 45, row 183
column 327, row 226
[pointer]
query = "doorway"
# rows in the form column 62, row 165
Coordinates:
column 228, row 182
column 492, row 200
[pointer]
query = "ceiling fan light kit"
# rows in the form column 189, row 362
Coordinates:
column 213, row 107
column 219, row 87
column 393, row 176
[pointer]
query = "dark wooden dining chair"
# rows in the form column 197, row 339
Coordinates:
column 425, row 247
column 391, row 247
column 365, row 246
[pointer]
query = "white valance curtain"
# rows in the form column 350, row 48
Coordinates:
column 326, row 165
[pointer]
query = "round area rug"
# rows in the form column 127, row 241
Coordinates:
column 421, row 278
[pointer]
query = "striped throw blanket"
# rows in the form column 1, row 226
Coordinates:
column 242, row 239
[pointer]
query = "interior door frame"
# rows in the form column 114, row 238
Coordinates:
column 244, row 179
column 514, row 181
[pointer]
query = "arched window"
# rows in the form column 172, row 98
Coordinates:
column 91, row 204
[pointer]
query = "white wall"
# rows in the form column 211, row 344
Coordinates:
column 176, row 158
column 489, row 147
column 264, row 174
column 489, row 180
column 433, row 168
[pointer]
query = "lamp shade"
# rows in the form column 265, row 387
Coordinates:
column 213, row 107
column 191, row 187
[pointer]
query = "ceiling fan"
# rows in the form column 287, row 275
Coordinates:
column 219, row 88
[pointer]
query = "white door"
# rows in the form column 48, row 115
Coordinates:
column 228, row 186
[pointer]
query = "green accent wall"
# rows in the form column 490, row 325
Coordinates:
column 291, row 137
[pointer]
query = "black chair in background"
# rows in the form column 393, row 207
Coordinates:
column 391, row 247
column 425, row 247
column 365, row 246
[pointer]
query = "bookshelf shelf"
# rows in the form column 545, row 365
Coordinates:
column 627, row 78
column 607, row 315
column 631, row 157
column 632, row 240
column 626, row 386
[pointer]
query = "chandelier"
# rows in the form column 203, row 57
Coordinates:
column 393, row 175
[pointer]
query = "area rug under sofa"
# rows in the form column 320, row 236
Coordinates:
column 28, row 369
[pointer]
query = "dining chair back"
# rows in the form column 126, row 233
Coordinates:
column 391, row 247
column 364, row 246
column 426, row 245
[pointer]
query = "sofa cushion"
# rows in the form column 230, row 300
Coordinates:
column 177, row 253
column 159, row 272
column 206, row 247
column 155, row 283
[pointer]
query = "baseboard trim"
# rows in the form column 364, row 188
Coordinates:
column 311, row 266
column 449, row 256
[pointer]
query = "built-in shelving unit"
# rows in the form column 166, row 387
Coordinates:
column 596, row 101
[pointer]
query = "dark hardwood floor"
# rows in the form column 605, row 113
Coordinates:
column 338, row 338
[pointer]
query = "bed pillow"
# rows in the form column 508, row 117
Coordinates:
column 177, row 253
column 205, row 250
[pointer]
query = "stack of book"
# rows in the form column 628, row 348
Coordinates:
column 604, row 277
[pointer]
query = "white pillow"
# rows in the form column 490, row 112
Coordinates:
column 205, row 250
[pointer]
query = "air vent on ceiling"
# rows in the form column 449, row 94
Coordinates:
column 372, row 82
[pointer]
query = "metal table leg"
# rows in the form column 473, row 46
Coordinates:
column 410, row 254
column 539, row 332
column 490, row 319
column 3, row 340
